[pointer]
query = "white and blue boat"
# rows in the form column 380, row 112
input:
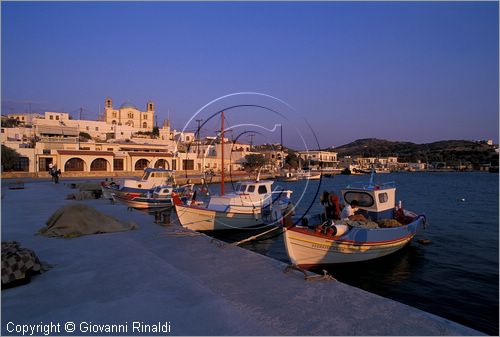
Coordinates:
column 151, row 178
column 388, row 228
column 161, row 197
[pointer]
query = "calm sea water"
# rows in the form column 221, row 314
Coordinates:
column 456, row 275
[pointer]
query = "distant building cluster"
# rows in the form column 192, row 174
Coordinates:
column 125, row 139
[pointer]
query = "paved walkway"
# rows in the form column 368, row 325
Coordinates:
column 190, row 282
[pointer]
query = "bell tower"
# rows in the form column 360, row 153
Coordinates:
column 108, row 111
column 150, row 107
column 108, row 103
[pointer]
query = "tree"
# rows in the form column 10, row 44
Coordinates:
column 254, row 162
column 10, row 123
column 84, row 136
column 292, row 161
column 156, row 131
column 10, row 158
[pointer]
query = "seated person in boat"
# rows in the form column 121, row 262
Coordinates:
column 349, row 212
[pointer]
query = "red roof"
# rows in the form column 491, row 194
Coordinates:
column 83, row 153
column 150, row 154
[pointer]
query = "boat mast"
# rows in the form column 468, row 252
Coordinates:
column 222, row 154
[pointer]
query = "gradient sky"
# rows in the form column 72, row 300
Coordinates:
column 411, row 71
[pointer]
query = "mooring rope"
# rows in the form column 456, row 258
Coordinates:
column 307, row 277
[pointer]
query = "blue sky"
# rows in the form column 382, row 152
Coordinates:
column 410, row 71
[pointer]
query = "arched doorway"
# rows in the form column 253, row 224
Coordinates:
column 162, row 163
column 144, row 125
column 99, row 164
column 141, row 164
column 74, row 164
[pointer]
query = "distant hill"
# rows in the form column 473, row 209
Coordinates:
column 453, row 152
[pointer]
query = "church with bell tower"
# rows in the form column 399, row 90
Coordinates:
column 129, row 115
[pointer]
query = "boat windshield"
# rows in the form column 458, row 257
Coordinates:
column 146, row 175
column 364, row 199
column 241, row 188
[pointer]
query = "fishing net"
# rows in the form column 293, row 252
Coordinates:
column 75, row 220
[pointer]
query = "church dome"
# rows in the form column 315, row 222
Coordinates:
column 128, row 105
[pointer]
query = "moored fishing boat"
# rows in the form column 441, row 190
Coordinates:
column 160, row 198
column 287, row 176
column 151, row 178
column 253, row 203
column 308, row 175
column 388, row 229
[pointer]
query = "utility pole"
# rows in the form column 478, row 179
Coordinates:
column 222, row 153
column 251, row 140
column 197, row 138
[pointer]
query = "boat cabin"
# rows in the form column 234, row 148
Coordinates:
column 152, row 177
column 377, row 200
column 162, row 191
column 253, row 187
column 248, row 197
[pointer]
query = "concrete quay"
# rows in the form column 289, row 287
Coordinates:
column 165, row 274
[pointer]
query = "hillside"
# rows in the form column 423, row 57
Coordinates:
column 452, row 152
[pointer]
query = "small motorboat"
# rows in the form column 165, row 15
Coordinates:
column 160, row 198
column 287, row 176
column 308, row 175
column 388, row 229
column 151, row 178
column 253, row 203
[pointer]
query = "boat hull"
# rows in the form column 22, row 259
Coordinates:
column 139, row 202
column 203, row 219
column 307, row 248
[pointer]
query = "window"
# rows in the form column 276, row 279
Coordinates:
column 251, row 189
column 87, row 128
column 57, row 118
column 110, row 149
column 50, row 117
column 187, row 164
column 97, row 128
column 242, row 188
column 118, row 164
column 74, row 164
column 114, row 114
column 43, row 164
column 364, row 199
column 161, row 163
column 99, row 164
column 144, row 125
column 382, row 198
column 141, row 164
column 262, row 189
column 22, row 164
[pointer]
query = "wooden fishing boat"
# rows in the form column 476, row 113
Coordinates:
column 308, row 175
column 389, row 229
column 151, row 178
column 287, row 176
column 253, row 203
column 160, row 198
